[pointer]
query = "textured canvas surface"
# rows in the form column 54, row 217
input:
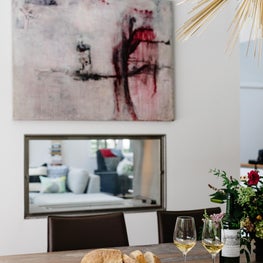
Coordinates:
column 92, row 60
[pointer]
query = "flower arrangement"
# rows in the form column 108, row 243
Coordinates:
column 248, row 205
column 250, row 198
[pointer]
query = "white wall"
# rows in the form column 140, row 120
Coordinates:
column 204, row 135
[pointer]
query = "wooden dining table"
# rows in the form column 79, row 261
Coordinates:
column 167, row 253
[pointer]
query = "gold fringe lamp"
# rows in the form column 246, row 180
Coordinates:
column 248, row 12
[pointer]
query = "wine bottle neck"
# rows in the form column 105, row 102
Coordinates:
column 229, row 204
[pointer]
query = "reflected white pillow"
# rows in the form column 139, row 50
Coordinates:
column 53, row 185
column 77, row 180
column 57, row 171
column 125, row 167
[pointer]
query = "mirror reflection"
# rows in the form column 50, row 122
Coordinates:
column 84, row 173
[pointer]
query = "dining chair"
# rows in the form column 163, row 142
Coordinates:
column 85, row 232
column 166, row 221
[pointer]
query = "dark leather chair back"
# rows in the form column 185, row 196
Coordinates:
column 166, row 222
column 84, row 232
column 260, row 157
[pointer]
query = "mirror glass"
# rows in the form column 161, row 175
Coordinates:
column 89, row 173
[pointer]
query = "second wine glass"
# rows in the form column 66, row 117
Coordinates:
column 184, row 234
column 212, row 237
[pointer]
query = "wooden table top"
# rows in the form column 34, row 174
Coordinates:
column 167, row 253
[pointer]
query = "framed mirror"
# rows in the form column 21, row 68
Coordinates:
column 93, row 173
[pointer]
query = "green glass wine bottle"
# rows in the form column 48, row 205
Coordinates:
column 231, row 231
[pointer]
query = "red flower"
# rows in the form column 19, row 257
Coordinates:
column 253, row 177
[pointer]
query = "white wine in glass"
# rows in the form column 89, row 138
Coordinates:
column 212, row 237
column 184, row 234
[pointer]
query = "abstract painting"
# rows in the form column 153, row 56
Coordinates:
column 93, row 60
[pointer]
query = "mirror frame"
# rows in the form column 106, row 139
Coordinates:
column 153, row 207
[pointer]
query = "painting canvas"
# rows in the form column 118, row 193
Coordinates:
column 93, row 60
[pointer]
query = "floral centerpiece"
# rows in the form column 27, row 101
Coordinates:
column 250, row 198
column 248, row 205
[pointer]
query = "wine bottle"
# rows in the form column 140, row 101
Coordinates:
column 231, row 227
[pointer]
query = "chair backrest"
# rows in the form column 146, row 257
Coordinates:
column 84, row 232
column 260, row 157
column 166, row 221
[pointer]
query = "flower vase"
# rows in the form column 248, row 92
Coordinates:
column 258, row 249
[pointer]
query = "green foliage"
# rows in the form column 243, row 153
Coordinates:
column 230, row 185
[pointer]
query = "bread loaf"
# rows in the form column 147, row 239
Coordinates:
column 138, row 256
column 128, row 259
column 116, row 256
column 103, row 256
column 151, row 258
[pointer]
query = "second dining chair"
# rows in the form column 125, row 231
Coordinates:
column 166, row 221
column 85, row 232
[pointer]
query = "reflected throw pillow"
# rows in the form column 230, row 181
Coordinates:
column 125, row 167
column 77, row 180
column 34, row 177
column 53, row 185
column 57, row 171
column 112, row 163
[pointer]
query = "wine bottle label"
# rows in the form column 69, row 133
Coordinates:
column 231, row 247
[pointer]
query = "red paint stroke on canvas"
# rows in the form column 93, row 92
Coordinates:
column 135, row 56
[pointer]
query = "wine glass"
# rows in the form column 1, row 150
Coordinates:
column 212, row 237
column 184, row 234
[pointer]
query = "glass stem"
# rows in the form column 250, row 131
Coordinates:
column 184, row 257
column 213, row 258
